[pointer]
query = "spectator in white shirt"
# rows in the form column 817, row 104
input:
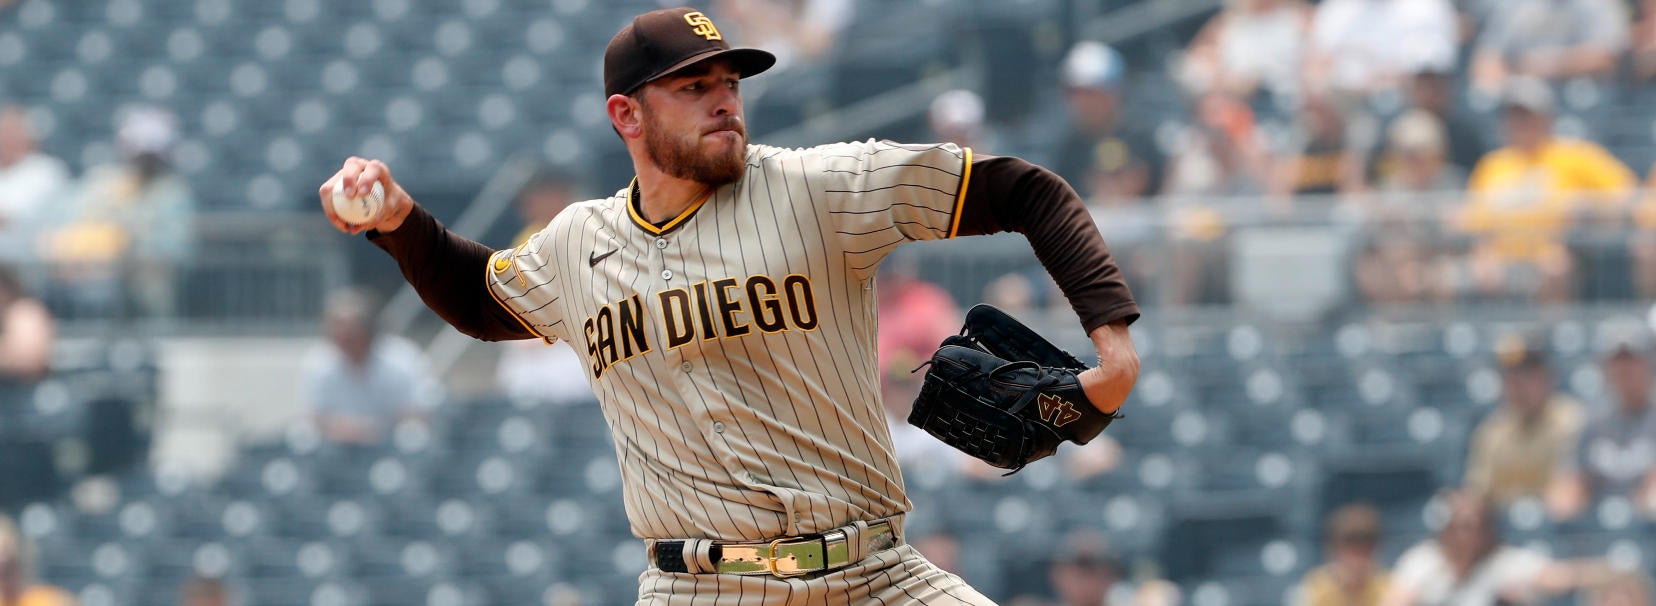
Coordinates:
column 359, row 382
column 1360, row 47
column 1550, row 40
column 1466, row 565
column 28, row 180
column 1250, row 46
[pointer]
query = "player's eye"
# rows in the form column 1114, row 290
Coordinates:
column 693, row 86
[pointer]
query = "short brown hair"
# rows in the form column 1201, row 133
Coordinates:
column 1355, row 523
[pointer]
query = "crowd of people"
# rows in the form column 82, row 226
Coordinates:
column 1541, row 447
column 1436, row 123
column 109, row 242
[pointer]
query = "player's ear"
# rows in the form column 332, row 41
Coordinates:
column 625, row 115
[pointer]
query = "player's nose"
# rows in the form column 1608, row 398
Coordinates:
column 727, row 102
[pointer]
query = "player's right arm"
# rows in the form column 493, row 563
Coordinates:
column 442, row 267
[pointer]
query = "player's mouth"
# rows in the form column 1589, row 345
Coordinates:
column 730, row 126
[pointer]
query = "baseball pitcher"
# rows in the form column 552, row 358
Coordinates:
column 724, row 304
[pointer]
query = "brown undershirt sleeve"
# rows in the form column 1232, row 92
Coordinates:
column 448, row 272
column 1010, row 194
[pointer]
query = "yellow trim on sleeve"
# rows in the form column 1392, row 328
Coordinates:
column 488, row 284
column 960, row 197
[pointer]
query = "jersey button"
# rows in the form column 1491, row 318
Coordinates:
column 661, row 243
column 718, row 427
column 666, row 274
column 685, row 367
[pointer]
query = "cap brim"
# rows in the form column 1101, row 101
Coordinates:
column 748, row 62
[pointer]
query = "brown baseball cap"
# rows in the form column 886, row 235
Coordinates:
column 660, row 42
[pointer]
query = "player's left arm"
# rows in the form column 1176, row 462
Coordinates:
column 1010, row 194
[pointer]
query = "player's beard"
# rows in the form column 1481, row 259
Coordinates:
column 682, row 157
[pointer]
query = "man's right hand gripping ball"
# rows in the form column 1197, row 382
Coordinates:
column 359, row 176
column 1000, row 392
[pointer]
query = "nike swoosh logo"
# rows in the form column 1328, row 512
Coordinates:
column 594, row 258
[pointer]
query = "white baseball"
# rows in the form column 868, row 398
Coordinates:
column 360, row 210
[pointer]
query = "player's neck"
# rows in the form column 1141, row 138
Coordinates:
column 662, row 197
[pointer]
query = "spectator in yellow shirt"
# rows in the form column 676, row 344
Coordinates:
column 1515, row 449
column 1526, row 195
column 17, row 584
column 1352, row 576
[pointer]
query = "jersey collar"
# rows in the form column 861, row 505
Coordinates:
column 633, row 198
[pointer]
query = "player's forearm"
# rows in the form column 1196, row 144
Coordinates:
column 447, row 271
column 1009, row 194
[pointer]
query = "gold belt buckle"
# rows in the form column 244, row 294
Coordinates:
column 773, row 561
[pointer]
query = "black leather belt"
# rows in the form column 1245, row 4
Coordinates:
column 783, row 557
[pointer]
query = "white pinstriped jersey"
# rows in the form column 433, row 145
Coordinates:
column 733, row 348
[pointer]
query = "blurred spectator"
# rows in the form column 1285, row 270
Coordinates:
column 1644, row 40
column 18, row 585
column 205, row 591
column 956, row 116
column 1466, row 565
column 361, row 382
column 1360, row 47
column 27, row 332
column 1550, row 40
column 1352, row 577
column 1525, row 195
column 1622, row 590
column 1014, row 292
column 543, row 372
column 534, row 369
column 1416, row 160
column 1398, row 261
column 546, row 194
column 1220, row 155
column 1322, row 157
column 1101, row 456
column 1616, row 454
column 915, row 314
column 1102, row 153
column 1251, row 46
column 1433, row 91
column 1083, row 571
column 29, row 181
column 129, row 225
column 798, row 32
column 1516, row 448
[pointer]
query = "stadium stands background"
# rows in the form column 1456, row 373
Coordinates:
column 1265, row 403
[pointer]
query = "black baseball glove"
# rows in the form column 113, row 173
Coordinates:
column 1000, row 392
